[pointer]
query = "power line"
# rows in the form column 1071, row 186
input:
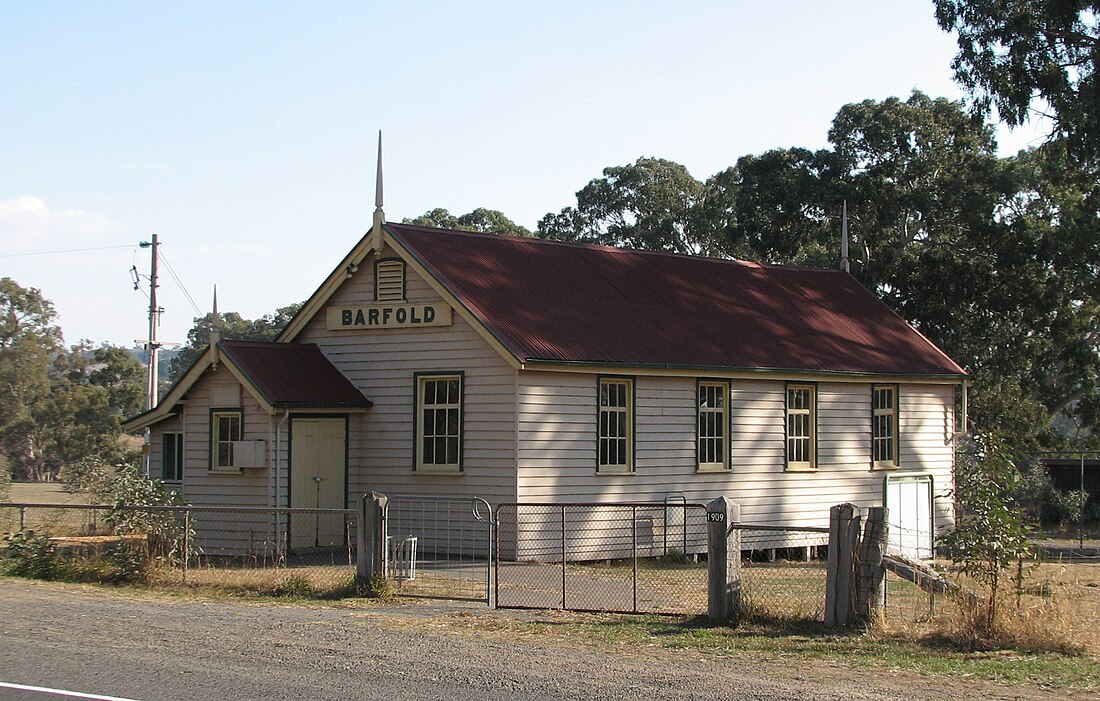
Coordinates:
column 179, row 283
column 70, row 250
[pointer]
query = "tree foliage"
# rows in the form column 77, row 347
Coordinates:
column 230, row 325
column 1023, row 56
column 649, row 204
column 58, row 405
column 481, row 220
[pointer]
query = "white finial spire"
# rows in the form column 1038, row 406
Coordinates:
column 379, row 215
column 844, row 240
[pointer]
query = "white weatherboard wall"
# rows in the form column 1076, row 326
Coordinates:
column 557, row 442
column 382, row 363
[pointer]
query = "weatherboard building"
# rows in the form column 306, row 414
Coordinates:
column 437, row 362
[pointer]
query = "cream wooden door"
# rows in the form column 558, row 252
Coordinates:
column 318, row 464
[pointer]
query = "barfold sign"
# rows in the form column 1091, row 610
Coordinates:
column 388, row 316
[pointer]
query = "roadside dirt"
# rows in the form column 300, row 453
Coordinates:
column 154, row 647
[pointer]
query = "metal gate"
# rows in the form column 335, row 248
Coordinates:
column 624, row 557
column 440, row 547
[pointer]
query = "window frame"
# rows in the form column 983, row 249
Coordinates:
column 723, row 387
column 419, row 381
column 626, row 467
column 216, row 439
column 177, row 456
column 810, row 464
column 895, row 424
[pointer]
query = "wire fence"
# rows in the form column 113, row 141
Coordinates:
column 230, row 547
column 626, row 557
column 783, row 571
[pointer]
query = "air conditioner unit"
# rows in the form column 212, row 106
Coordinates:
column 250, row 454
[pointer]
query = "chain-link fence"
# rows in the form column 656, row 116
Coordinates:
column 631, row 557
column 250, row 548
column 783, row 571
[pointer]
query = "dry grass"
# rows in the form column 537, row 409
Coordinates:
column 1059, row 612
column 305, row 582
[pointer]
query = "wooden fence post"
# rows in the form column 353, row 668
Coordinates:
column 843, row 537
column 871, row 571
column 370, row 553
column 723, row 561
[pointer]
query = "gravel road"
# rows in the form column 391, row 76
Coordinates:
column 150, row 648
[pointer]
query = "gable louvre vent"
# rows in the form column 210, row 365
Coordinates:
column 389, row 281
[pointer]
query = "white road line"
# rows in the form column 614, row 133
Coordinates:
column 62, row 692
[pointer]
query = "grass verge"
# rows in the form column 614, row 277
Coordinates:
column 875, row 649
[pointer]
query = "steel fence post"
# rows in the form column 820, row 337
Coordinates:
column 563, row 599
column 634, row 556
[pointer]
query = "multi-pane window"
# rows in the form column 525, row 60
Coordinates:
column 172, row 457
column 439, row 422
column 616, row 425
column 226, row 428
column 801, row 426
column 884, row 426
column 712, row 439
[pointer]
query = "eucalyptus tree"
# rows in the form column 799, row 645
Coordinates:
column 1022, row 57
column 481, row 220
column 650, row 204
column 229, row 325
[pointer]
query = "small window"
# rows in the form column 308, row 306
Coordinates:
column 439, row 423
column 616, row 429
column 225, row 428
column 172, row 457
column 713, row 418
column 389, row 280
column 884, row 426
column 801, row 427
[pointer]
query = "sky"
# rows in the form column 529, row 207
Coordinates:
column 244, row 133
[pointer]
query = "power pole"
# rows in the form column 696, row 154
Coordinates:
column 152, row 389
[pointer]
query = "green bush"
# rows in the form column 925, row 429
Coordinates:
column 129, row 564
column 31, row 555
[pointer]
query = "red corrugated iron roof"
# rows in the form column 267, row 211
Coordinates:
column 552, row 302
column 293, row 374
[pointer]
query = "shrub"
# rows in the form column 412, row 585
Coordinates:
column 128, row 488
column 990, row 536
column 32, row 555
column 129, row 564
column 88, row 476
